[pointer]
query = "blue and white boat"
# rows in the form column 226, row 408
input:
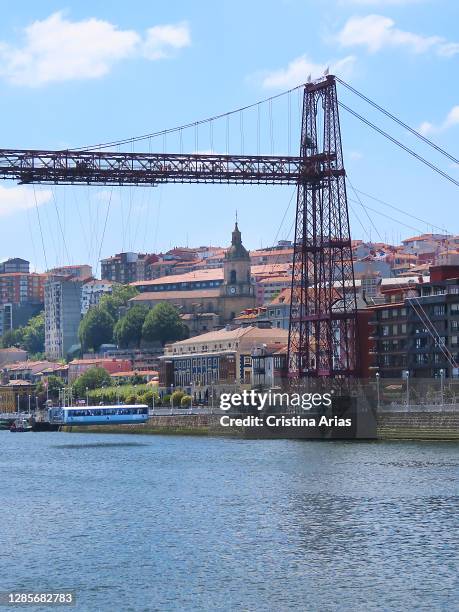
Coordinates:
column 99, row 415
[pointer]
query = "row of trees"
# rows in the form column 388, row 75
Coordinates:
column 97, row 384
column 111, row 321
column 30, row 337
column 106, row 323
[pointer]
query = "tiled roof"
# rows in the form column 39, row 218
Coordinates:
column 233, row 334
column 148, row 296
column 187, row 277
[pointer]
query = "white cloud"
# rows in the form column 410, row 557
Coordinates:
column 300, row 68
column 451, row 119
column 160, row 41
column 20, row 198
column 376, row 32
column 57, row 49
column 355, row 155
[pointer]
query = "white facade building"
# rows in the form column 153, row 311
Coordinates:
column 92, row 291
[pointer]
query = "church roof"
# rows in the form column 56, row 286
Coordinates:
column 237, row 249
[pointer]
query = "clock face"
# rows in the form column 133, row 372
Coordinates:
column 232, row 289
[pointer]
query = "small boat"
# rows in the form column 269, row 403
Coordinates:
column 20, row 426
column 5, row 424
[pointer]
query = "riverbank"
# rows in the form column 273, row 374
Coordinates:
column 440, row 426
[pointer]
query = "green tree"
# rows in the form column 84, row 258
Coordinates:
column 177, row 397
column 33, row 340
column 54, row 385
column 147, row 398
column 163, row 324
column 137, row 379
column 94, row 378
column 12, row 337
column 96, row 328
column 128, row 329
column 185, row 402
column 118, row 299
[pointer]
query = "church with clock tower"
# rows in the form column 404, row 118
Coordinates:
column 237, row 291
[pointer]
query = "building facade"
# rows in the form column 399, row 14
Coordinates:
column 92, row 291
column 22, row 288
column 223, row 357
column 14, row 264
column 78, row 271
column 420, row 333
column 62, row 315
column 126, row 268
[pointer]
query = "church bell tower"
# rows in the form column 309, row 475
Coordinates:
column 237, row 289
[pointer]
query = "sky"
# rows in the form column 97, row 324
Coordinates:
column 78, row 73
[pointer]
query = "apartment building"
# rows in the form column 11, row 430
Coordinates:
column 78, row 271
column 14, row 264
column 419, row 333
column 62, row 315
column 126, row 268
column 92, row 291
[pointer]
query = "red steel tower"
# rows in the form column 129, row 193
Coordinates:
column 322, row 333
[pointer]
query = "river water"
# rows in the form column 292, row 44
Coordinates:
column 194, row 523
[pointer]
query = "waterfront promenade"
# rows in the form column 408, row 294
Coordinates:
column 422, row 422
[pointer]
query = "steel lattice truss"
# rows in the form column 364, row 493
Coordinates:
column 322, row 329
column 93, row 167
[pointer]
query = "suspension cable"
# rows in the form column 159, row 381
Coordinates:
column 399, row 121
column 400, row 144
column 105, row 145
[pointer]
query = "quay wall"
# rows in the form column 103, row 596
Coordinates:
column 396, row 425
column 422, row 425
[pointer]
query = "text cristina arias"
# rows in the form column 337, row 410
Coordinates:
column 254, row 399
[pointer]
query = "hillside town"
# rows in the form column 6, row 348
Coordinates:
column 198, row 318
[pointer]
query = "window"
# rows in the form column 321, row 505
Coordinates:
column 385, row 330
column 454, row 308
column 233, row 276
column 439, row 309
column 384, row 314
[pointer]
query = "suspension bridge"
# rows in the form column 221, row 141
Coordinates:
column 323, row 330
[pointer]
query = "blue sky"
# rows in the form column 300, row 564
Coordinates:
column 84, row 72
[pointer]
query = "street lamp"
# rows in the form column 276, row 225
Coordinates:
column 87, row 396
column 212, row 396
column 378, row 376
column 442, row 386
column 406, row 375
